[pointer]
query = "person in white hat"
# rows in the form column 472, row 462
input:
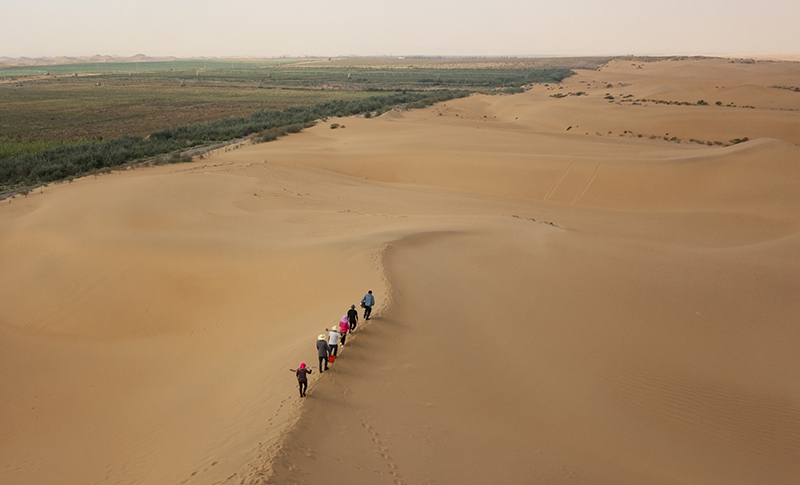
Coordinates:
column 333, row 341
column 322, row 351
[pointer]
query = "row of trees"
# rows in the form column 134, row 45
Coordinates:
column 66, row 162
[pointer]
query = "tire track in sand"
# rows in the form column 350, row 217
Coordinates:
column 558, row 182
column 586, row 185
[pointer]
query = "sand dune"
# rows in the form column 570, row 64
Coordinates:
column 553, row 306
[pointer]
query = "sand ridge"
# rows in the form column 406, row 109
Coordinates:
column 565, row 305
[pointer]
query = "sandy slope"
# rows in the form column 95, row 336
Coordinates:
column 554, row 305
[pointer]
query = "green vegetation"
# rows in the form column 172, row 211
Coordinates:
column 111, row 100
column 372, row 77
column 562, row 95
column 789, row 88
column 678, row 103
column 58, row 122
column 285, row 73
column 50, row 113
column 140, row 67
column 66, row 162
column 14, row 147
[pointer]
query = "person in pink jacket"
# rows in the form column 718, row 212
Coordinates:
column 344, row 328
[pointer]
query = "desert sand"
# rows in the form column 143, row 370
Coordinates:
column 554, row 305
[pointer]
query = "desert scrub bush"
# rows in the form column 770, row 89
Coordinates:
column 334, row 126
column 178, row 157
column 10, row 147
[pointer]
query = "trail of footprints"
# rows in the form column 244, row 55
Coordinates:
column 379, row 446
column 384, row 452
column 259, row 470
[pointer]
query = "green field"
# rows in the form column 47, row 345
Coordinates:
column 137, row 67
column 366, row 77
column 77, row 108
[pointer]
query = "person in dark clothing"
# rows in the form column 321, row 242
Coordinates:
column 322, row 351
column 367, row 303
column 352, row 317
column 302, row 378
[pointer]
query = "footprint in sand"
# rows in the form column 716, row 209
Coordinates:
column 383, row 452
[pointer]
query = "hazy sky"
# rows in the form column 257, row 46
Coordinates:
column 193, row 28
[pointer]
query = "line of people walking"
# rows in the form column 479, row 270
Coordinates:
column 328, row 346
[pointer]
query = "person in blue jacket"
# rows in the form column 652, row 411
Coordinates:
column 367, row 303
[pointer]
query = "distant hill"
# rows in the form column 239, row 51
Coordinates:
column 49, row 61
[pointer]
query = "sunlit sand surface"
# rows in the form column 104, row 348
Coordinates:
column 606, row 304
